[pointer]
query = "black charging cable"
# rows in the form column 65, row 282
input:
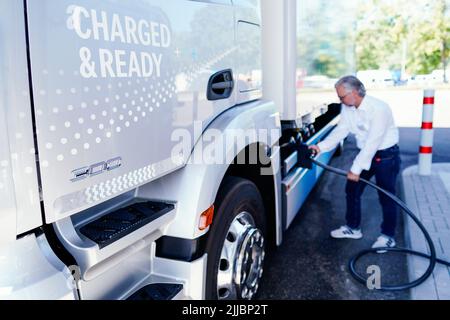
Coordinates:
column 305, row 159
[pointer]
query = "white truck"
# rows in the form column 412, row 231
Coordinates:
column 128, row 133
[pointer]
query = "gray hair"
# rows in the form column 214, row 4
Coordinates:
column 352, row 83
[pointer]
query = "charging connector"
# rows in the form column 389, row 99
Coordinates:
column 304, row 155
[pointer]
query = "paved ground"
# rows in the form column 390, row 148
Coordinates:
column 311, row 265
column 429, row 198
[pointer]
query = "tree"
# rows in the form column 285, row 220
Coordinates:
column 381, row 28
column 387, row 28
column 325, row 45
column 432, row 39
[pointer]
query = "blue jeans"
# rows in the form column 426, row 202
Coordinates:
column 385, row 166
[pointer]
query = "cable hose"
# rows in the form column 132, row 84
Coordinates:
column 431, row 257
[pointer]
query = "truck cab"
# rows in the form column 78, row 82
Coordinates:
column 129, row 130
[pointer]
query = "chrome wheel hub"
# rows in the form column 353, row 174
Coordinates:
column 241, row 259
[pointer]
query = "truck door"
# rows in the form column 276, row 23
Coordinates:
column 116, row 85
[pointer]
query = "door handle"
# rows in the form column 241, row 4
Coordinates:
column 220, row 85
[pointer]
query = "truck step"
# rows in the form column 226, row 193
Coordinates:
column 119, row 223
column 157, row 291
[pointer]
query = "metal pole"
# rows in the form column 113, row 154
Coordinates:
column 426, row 138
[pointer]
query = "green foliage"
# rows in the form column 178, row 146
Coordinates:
column 396, row 34
column 326, row 38
column 328, row 65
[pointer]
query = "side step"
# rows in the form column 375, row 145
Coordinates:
column 157, row 291
column 119, row 223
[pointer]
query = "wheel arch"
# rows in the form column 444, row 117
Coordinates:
column 195, row 187
column 264, row 182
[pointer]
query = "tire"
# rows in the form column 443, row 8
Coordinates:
column 239, row 227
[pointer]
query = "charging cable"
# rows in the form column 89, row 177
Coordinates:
column 305, row 159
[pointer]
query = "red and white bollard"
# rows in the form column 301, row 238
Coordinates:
column 426, row 137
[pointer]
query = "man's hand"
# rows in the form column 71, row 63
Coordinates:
column 352, row 177
column 315, row 149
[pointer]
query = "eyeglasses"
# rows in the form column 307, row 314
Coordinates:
column 343, row 97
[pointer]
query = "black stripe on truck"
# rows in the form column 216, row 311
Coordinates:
column 180, row 249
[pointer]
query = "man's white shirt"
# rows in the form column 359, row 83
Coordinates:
column 372, row 124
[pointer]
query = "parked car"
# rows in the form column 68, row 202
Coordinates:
column 420, row 79
column 437, row 76
column 376, row 78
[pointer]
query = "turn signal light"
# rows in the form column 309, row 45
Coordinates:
column 206, row 218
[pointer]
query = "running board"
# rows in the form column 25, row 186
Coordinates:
column 157, row 291
column 119, row 223
column 107, row 236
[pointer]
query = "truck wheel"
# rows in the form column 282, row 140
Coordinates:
column 236, row 245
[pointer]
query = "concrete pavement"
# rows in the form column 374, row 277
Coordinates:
column 429, row 198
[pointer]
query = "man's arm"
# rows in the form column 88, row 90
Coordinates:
column 337, row 135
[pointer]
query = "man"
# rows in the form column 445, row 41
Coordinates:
column 371, row 121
